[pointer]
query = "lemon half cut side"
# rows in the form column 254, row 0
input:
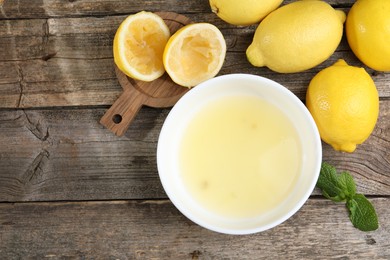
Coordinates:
column 194, row 54
column 139, row 46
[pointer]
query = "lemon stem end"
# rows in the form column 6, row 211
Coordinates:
column 340, row 62
column 254, row 56
column 341, row 15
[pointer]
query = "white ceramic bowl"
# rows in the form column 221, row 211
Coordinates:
column 181, row 114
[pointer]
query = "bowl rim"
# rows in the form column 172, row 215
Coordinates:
column 280, row 88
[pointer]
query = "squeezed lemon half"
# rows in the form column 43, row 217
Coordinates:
column 194, row 54
column 139, row 46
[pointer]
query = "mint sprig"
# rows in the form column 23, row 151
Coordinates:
column 340, row 187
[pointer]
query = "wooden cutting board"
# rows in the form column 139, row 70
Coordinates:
column 162, row 92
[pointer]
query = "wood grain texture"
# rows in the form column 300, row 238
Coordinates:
column 58, row 8
column 65, row 154
column 69, row 82
column 68, row 61
column 160, row 93
column 70, row 189
column 156, row 230
column 69, row 155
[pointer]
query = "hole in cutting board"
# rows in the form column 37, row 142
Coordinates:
column 117, row 119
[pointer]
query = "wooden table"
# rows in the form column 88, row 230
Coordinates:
column 70, row 189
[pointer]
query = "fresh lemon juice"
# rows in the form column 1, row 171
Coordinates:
column 240, row 156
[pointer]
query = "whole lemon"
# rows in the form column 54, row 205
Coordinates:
column 344, row 103
column 368, row 32
column 297, row 36
column 245, row 12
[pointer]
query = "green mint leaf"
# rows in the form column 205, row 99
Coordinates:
column 362, row 213
column 329, row 183
column 347, row 184
column 341, row 187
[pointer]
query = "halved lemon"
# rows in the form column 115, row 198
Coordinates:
column 194, row 54
column 139, row 45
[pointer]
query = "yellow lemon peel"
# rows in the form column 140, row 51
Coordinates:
column 297, row 36
column 344, row 103
column 368, row 33
column 139, row 44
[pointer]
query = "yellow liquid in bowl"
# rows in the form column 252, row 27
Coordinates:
column 240, row 156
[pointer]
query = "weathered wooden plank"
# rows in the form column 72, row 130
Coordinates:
column 10, row 86
column 69, row 153
column 109, row 24
column 91, row 37
column 156, row 230
column 65, row 154
column 15, row 28
column 86, row 82
column 58, row 8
